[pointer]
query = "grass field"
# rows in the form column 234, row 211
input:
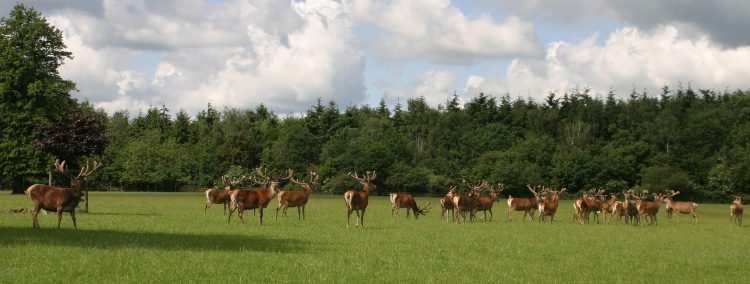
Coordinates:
column 165, row 237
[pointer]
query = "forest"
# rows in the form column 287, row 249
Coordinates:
column 696, row 142
column 692, row 140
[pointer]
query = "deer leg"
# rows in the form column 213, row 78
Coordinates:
column 225, row 207
column 231, row 211
column 59, row 216
column 277, row 211
column 73, row 216
column 241, row 214
column 348, row 216
column 260, row 215
column 362, row 219
column 491, row 214
column 205, row 208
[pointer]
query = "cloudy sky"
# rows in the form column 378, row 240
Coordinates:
column 131, row 54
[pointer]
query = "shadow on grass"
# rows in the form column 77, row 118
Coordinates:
column 119, row 214
column 109, row 239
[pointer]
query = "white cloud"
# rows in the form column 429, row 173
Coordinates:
column 238, row 53
column 433, row 86
column 630, row 58
column 440, row 32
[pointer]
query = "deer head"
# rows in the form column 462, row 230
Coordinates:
column 75, row 181
column 231, row 183
column 365, row 180
column 314, row 177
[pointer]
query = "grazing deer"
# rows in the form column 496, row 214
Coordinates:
column 405, row 200
column 57, row 199
column 648, row 208
column 735, row 211
column 222, row 196
column 446, row 204
column 258, row 198
column 357, row 200
column 680, row 207
column 467, row 203
column 485, row 202
column 392, row 197
column 547, row 205
column 527, row 205
column 297, row 198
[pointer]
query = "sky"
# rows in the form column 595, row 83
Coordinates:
column 184, row 54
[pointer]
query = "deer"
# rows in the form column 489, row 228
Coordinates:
column 606, row 206
column 58, row 199
column 680, row 207
column 405, row 200
column 735, row 211
column 222, row 196
column 467, row 203
column 648, row 208
column 485, row 202
column 618, row 209
column 446, row 204
column 356, row 201
column 548, row 206
column 297, row 198
column 392, row 197
column 256, row 198
column 528, row 205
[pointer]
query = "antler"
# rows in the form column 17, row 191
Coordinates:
column 86, row 171
column 285, row 175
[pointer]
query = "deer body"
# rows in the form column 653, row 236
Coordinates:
column 217, row 196
column 680, row 207
column 548, row 206
column 485, row 203
column 57, row 199
column 735, row 211
column 649, row 208
column 255, row 199
column 356, row 201
column 405, row 200
column 296, row 198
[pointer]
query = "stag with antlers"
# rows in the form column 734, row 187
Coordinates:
column 356, row 201
column 679, row 207
column 222, row 196
column 648, row 208
column 256, row 198
column 405, row 200
column 57, row 199
column 527, row 205
column 485, row 202
column 297, row 198
column 547, row 203
column 467, row 203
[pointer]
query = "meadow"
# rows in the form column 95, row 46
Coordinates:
column 165, row 237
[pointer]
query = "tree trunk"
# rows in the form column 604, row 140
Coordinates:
column 16, row 185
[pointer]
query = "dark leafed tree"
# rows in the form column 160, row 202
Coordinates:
column 31, row 90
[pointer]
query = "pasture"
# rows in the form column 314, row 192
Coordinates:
column 165, row 237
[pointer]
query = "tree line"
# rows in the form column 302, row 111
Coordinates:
column 694, row 141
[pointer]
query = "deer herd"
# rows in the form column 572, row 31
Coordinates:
column 636, row 208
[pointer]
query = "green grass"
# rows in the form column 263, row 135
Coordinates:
column 165, row 237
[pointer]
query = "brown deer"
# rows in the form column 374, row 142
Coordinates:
column 467, row 203
column 680, row 207
column 392, row 197
column 57, row 199
column 617, row 210
column 222, row 196
column 405, row 200
column 485, row 202
column 527, row 205
column 606, row 206
column 297, row 198
column 256, row 198
column 735, row 211
column 446, row 204
column 357, row 200
column 630, row 208
column 648, row 208
column 547, row 205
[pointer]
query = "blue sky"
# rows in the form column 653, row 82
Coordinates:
column 132, row 54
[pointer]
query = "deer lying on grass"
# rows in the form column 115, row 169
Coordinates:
column 735, row 211
column 405, row 200
column 547, row 203
column 467, row 203
column 357, row 200
column 485, row 202
column 446, row 204
column 57, row 199
column 258, row 198
column 297, row 198
column 222, row 196
column 679, row 207
column 527, row 205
